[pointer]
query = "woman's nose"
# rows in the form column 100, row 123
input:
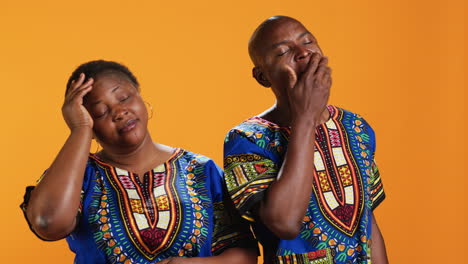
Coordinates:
column 119, row 113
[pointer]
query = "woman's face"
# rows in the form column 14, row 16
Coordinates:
column 119, row 113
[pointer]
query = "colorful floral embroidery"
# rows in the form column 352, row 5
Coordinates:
column 193, row 177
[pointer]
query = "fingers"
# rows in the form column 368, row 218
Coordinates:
column 327, row 77
column 76, row 83
column 291, row 74
column 312, row 66
column 322, row 67
column 323, row 74
column 80, row 91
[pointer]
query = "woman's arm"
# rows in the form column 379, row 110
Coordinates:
column 229, row 256
column 54, row 202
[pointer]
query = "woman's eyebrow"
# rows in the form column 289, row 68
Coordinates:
column 116, row 88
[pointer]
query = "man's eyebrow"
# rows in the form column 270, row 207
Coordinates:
column 286, row 41
column 305, row 33
column 279, row 44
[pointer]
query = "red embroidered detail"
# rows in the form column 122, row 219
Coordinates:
column 260, row 168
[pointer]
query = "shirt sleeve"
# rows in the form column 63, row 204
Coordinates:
column 377, row 193
column 376, row 187
column 229, row 229
column 249, row 171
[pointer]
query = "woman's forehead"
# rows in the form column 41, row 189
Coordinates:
column 111, row 80
column 108, row 85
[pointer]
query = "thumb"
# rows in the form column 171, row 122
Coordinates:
column 291, row 75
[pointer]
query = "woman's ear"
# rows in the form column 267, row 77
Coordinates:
column 260, row 77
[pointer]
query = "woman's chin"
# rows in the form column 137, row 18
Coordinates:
column 134, row 138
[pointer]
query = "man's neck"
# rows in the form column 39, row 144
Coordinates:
column 281, row 115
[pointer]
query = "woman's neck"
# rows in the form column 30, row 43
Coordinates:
column 140, row 159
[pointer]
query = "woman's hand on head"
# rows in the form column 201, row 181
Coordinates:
column 75, row 114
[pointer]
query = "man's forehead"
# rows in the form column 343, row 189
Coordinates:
column 283, row 30
column 273, row 32
column 282, row 33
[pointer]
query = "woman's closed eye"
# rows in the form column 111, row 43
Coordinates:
column 125, row 98
column 100, row 114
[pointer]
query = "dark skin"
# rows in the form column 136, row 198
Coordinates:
column 288, row 59
column 111, row 110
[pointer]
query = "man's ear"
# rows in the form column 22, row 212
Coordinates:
column 260, row 77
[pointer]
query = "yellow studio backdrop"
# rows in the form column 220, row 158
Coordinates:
column 401, row 64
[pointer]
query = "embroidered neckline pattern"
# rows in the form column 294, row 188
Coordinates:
column 337, row 178
column 149, row 206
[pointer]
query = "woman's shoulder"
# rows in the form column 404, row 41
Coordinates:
column 194, row 159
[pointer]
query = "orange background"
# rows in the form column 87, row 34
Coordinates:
column 399, row 63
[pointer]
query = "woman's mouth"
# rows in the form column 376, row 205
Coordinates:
column 128, row 126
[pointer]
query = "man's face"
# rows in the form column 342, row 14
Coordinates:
column 285, row 43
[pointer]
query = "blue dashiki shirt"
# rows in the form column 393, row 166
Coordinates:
column 180, row 208
column 346, row 187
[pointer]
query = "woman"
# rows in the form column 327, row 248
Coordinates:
column 135, row 201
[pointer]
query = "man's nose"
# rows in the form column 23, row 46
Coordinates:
column 302, row 53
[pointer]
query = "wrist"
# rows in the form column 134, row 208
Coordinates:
column 82, row 130
column 305, row 121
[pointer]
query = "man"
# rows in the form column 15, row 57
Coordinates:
column 303, row 172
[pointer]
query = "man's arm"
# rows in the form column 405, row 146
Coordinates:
column 378, row 251
column 285, row 203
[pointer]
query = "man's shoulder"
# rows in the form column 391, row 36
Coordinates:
column 352, row 124
column 255, row 125
column 339, row 111
column 252, row 124
column 255, row 129
column 347, row 116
